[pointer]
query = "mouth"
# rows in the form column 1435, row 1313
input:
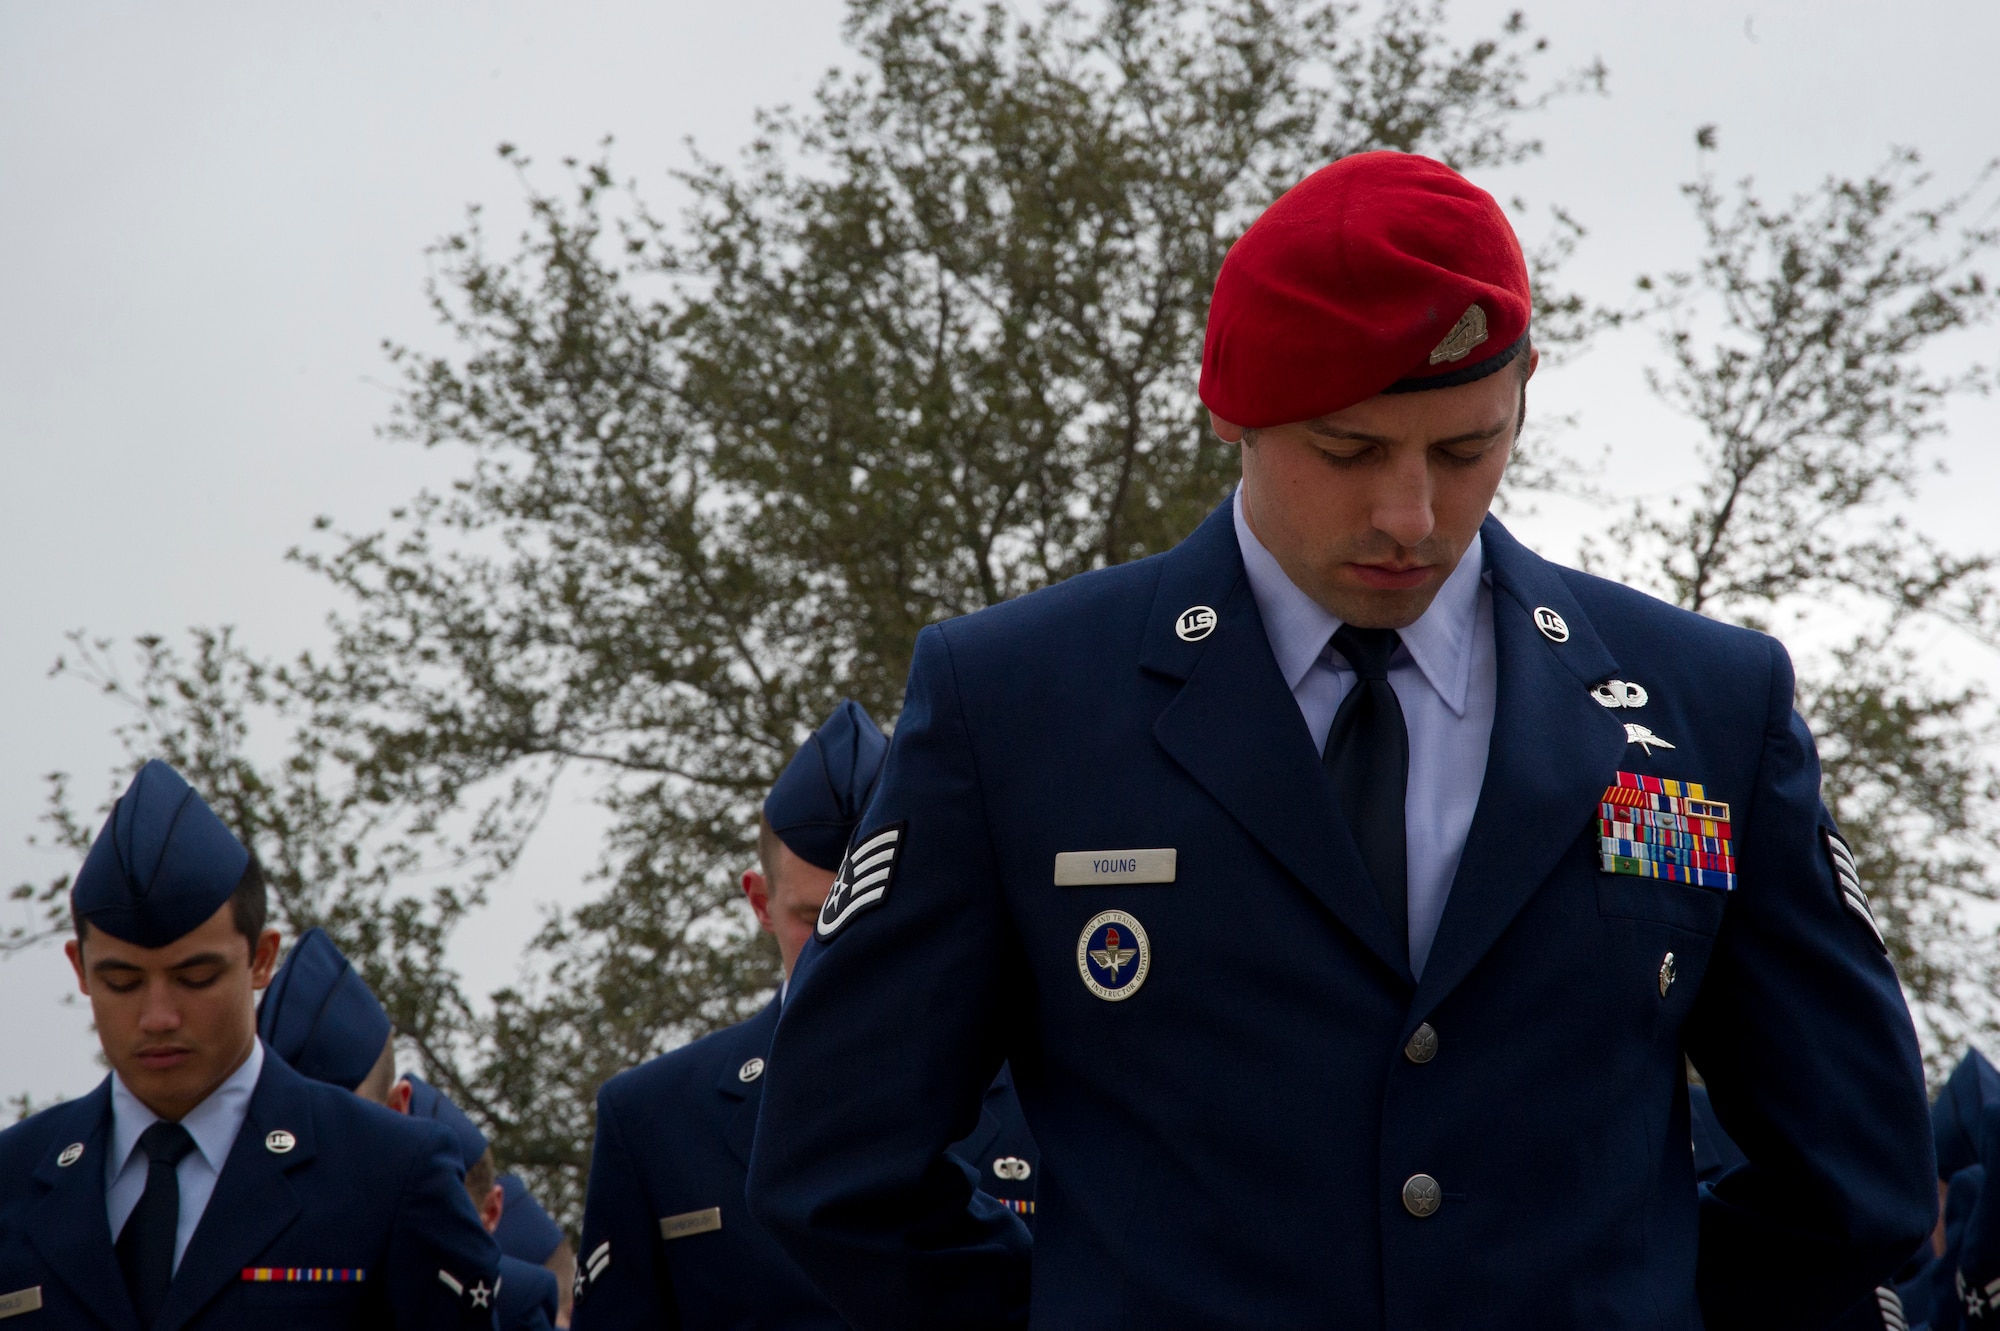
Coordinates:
column 1391, row 577
column 162, row 1060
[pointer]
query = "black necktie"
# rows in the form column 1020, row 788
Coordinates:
column 146, row 1244
column 1368, row 758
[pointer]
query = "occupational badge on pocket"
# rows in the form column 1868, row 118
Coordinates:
column 1648, row 827
column 1113, row 956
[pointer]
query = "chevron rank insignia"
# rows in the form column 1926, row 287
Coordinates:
column 1847, row 877
column 864, row 879
column 589, row 1271
column 1648, row 827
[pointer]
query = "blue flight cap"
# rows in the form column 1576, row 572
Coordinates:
column 1973, row 1085
column 819, row 797
column 319, row 1016
column 162, row 865
column 526, row 1232
column 427, row 1101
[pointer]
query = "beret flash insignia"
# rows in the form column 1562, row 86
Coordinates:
column 1467, row 333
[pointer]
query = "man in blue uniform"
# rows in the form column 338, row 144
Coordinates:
column 205, row 1184
column 667, row 1240
column 1883, row 1308
column 530, row 1234
column 320, row 1016
column 526, row 1298
column 1346, row 887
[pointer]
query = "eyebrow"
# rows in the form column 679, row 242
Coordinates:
column 1326, row 430
column 199, row 959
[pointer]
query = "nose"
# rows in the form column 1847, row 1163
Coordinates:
column 1402, row 499
column 160, row 1015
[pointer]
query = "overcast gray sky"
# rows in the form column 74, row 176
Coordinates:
column 211, row 214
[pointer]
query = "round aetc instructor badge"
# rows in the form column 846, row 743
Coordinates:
column 1113, row 956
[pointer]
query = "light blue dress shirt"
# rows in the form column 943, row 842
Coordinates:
column 1446, row 678
column 213, row 1124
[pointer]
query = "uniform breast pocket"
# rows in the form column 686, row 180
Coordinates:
column 1682, row 905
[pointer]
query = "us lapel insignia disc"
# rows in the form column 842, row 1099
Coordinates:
column 280, row 1141
column 70, row 1155
column 1113, row 956
column 1196, row 622
column 864, row 879
column 1553, row 626
column 751, row 1070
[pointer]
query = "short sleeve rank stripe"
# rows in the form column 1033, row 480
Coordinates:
column 1648, row 827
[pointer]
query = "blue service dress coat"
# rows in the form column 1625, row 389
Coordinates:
column 1236, row 1140
column 1001, row 1151
column 361, row 1191
column 528, row 1296
column 667, row 1239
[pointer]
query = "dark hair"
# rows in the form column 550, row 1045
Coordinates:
column 1521, row 362
column 249, row 905
column 480, row 1177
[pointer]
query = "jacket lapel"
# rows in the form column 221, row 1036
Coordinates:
column 72, row 1230
column 253, row 1203
column 1236, row 729
column 973, row 1149
column 1552, row 753
column 741, row 1098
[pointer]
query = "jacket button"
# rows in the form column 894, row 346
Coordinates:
column 1421, row 1196
column 1423, row 1045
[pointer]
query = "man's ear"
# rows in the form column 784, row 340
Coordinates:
column 399, row 1095
column 73, row 949
column 1229, row 432
column 491, row 1209
column 759, row 891
column 264, row 958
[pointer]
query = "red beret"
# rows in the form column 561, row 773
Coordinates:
column 1384, row 272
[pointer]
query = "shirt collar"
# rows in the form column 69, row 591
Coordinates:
column 1440, row 642
column 213, row 1123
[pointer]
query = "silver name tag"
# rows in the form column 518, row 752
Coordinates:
column 21, row 1301
column 1081, row 868
column 690, row 1222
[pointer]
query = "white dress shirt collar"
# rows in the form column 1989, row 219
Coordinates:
column 1440, row 642
column 213, row 1123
